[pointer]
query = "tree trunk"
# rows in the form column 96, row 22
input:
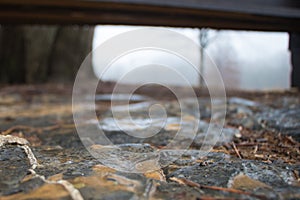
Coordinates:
column 35, row 54
column 294, row 46
column 12, row 57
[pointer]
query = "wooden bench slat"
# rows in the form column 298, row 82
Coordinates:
column 267, row 15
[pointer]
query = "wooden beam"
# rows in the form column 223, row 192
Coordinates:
column 266, row 15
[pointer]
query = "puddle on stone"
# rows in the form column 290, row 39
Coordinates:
column 137, row 124
column 135, row 107
column 243, row 102
column 133, row 158
column 121, row 97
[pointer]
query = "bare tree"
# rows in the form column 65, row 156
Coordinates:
column 205, row 39
column 226, row 61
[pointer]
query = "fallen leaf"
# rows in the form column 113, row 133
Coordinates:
column 244, row 182
column 47, row 191
column 157, row 175
column 56, row 177
column 102, row 170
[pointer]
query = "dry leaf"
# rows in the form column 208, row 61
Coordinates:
column 244, row 182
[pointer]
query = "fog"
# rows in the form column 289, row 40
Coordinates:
column 246, row 60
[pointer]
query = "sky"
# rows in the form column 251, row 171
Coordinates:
column 250, row 60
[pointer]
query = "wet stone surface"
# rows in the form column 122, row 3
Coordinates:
column 14, row 166
column 219, row 170
column 284, row 120
column 253, row 158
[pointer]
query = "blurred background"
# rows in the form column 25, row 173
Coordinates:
column 246, row 59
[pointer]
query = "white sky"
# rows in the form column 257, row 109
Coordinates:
column 262, row 59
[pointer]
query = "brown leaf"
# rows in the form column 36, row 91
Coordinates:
column 244, row 182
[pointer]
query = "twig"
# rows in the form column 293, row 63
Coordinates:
column 8, row 139
column 231, row 190
column 74, row 193
column 255, row 149
column 32, row 159
column 22, row 143
column 247, row 144
column 194, row 184
column 37, row 129
column 236, row 150
column 212, row 198
column 17, row 127
column 291, row 140
column 150, row 189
